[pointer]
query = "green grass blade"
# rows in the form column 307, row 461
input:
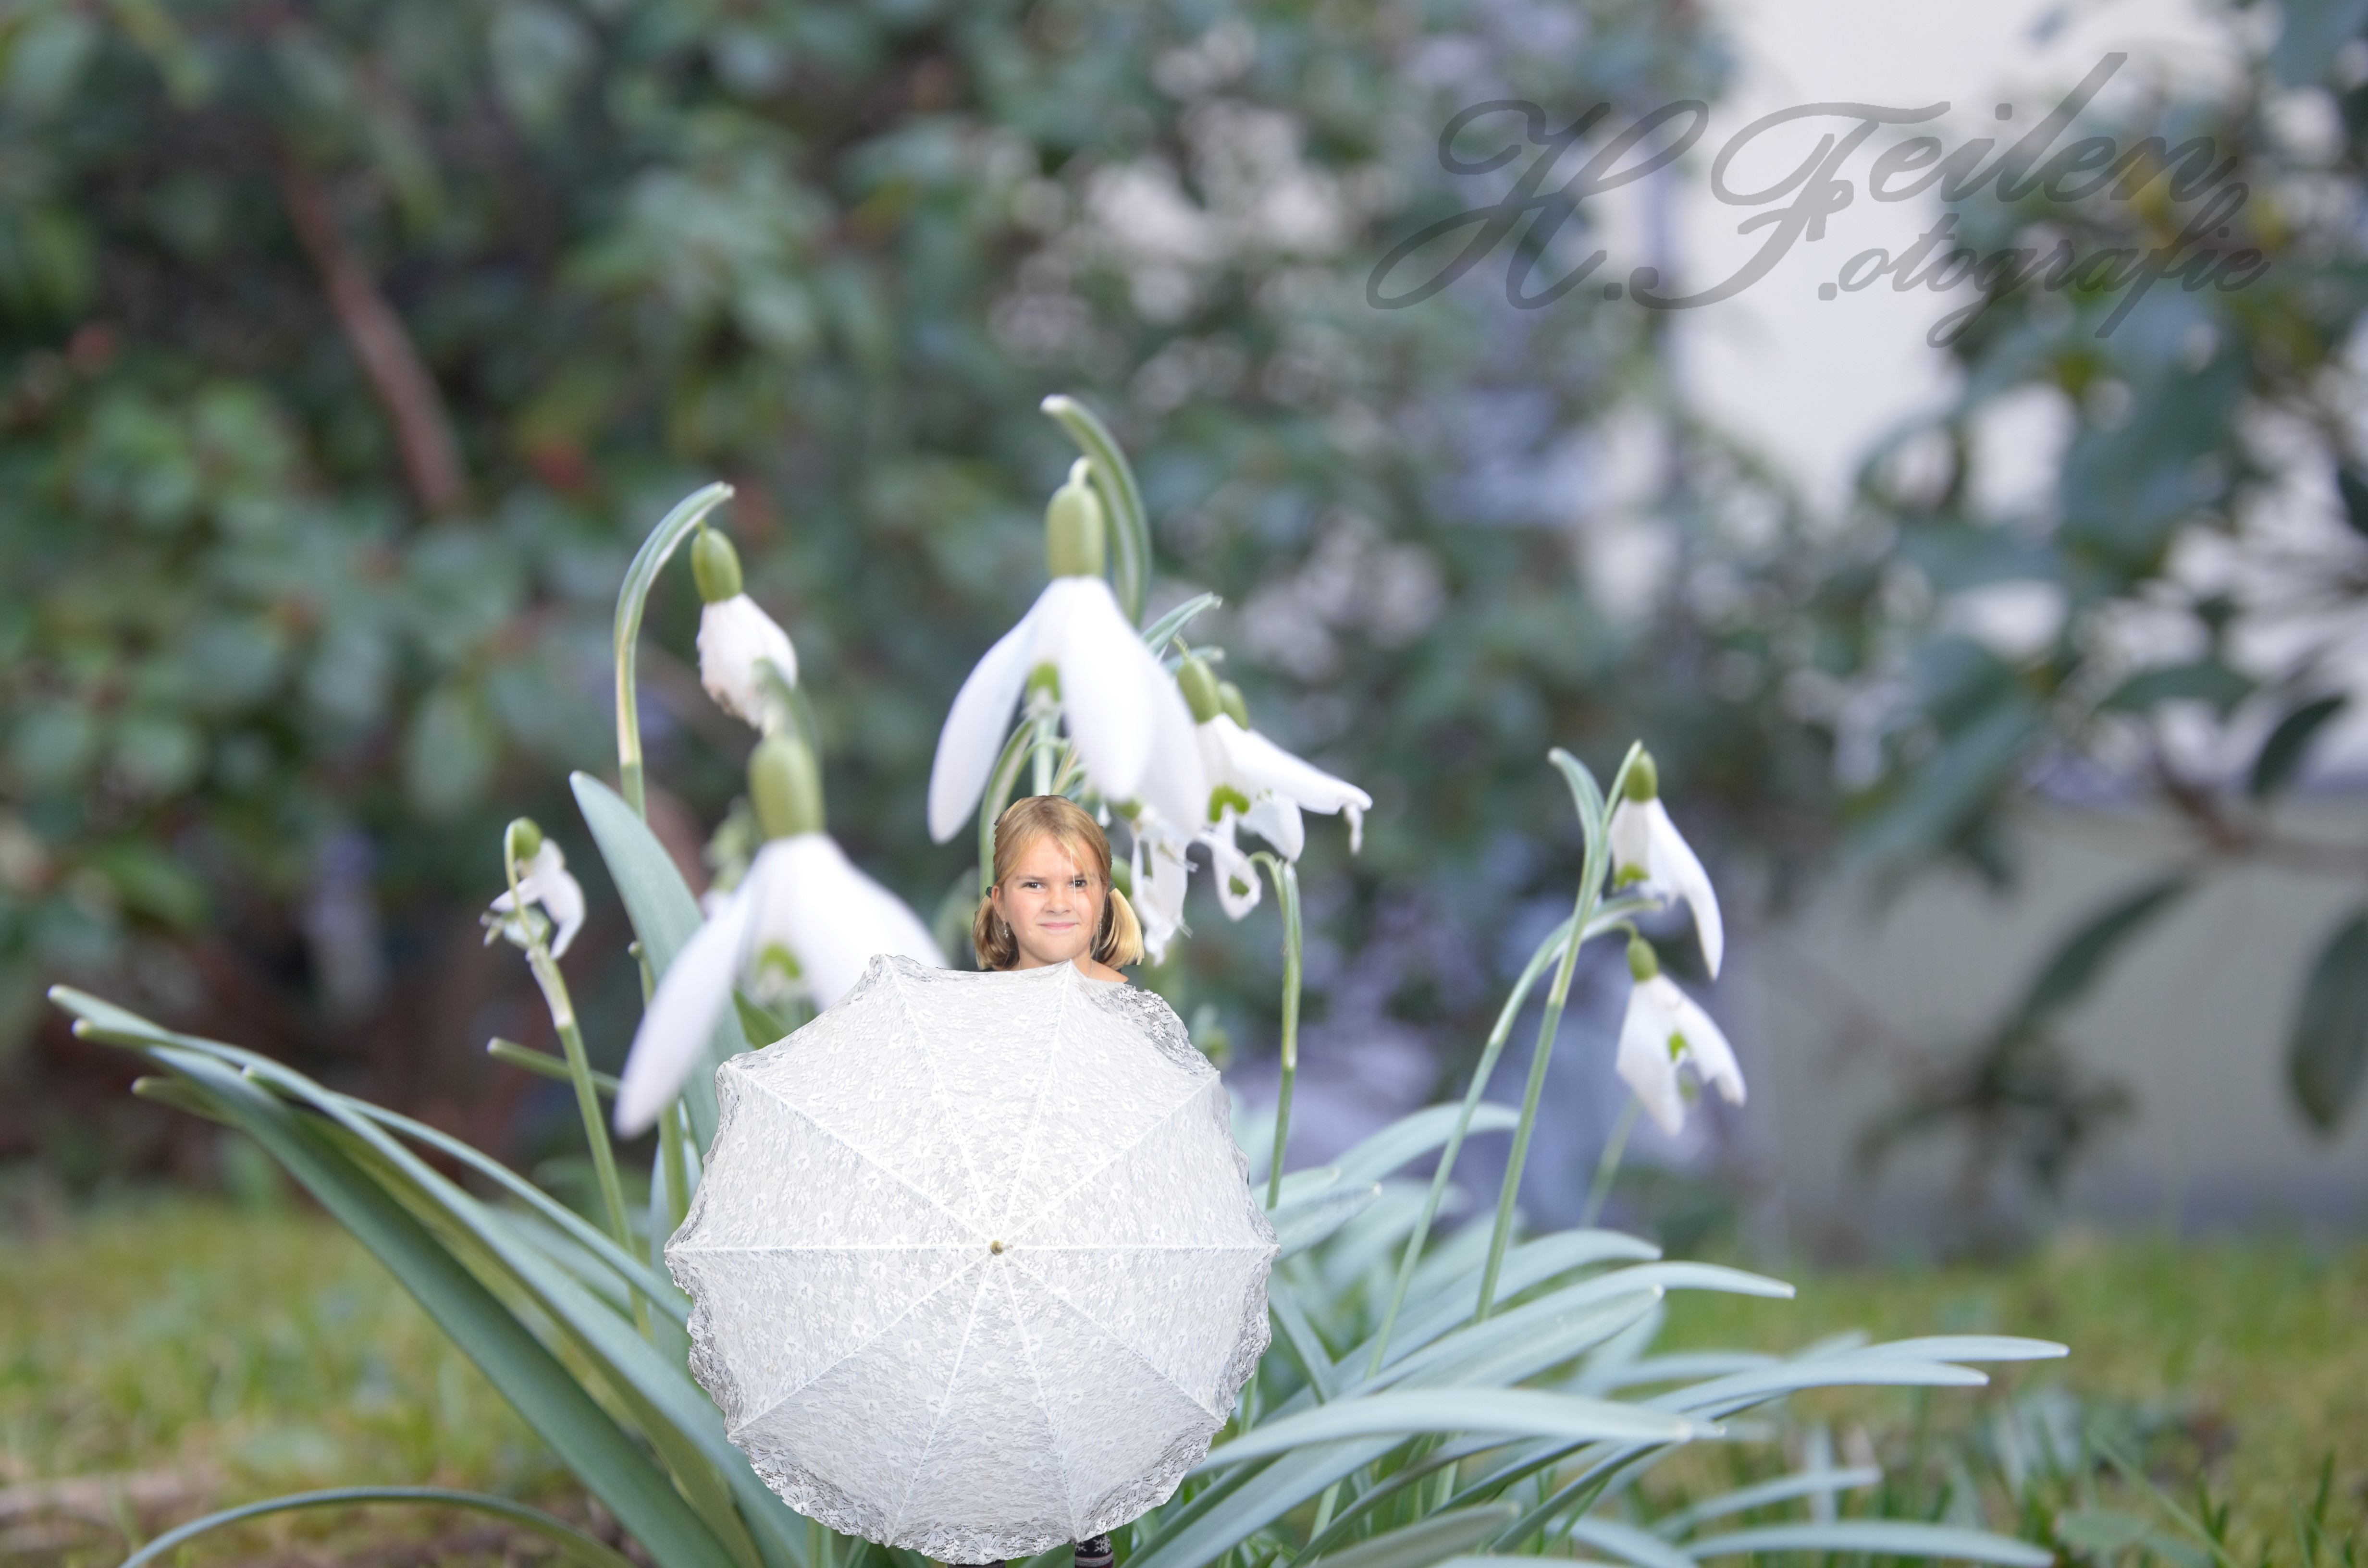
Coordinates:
column 572, row 1542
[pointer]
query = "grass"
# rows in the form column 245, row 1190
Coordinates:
column 2239, row 1364
column 164, row 1355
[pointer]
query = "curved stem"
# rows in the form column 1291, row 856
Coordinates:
column 1130, row 526
column 1595, row 813
column 998, row 791
column 559, row 1532
column 1608, row 1165
column 1480, row 1076
column 688, row 513
column 1607, row 917
column 1286, row 893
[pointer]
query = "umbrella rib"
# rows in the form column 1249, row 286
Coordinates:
column 920, row 1038
column 1036, row 1373
column 1106, row 1333
column 854, row 1351
column 842, row 1142
column 1020, row 1228
column 1043, row 1083
column 904, row 1504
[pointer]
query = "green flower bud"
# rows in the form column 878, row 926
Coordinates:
column 714, row 565
column 1229, row 698
column 1199, row 684
column 1643, row 962
column 522, row 841
column 1643, row 779
column 1076, row 540
column 785, row 786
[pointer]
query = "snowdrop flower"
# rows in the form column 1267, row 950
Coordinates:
column 1157, row 874
column 803, row 905
column 543, row 879
column 1647, row 847
column 1131, row 729
column 1663, row 1028
column 1255, row 784
column 735, row 638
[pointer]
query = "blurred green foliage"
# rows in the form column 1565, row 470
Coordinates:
column 346, row 350
column 2172, row 618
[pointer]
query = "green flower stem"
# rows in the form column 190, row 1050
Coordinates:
column 1495, row 1048
column 579, row 1069
column 1041, row 752
column 1286, row 893
column 677, row 1171
column 1608, row 1165
column 1590, row 885
column 639, row 577
column 1123, row 498
column 998, row 791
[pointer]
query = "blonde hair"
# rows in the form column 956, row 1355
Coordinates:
column 1119, row 938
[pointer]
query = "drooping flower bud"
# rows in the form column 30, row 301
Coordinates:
column 714, row 565
column 1236, row 707
column 1643, row 779
column 1076, row 539
column 1201, row 692
column 521, row 841
column 785, row 786
column 1643, row 964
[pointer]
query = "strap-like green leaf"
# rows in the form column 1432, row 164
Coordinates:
column 536, row 1385
column 664, row 917
column 572, row 1542
column 1158, row 635
column 1889, row 1537
column 1425, row 1541
column 1517, row 1412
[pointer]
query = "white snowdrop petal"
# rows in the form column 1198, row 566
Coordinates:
column 1160, row 877
column 560, row 895
column 1643, row 1059
column 1671, row 863
column 834, row 918
column 674, row 1032
column 1630, row 835
column 1706, row 1047
column 1237, row 875
column 1278, row 822
column 1269, row 767
column 977, row 724
column 1106, row 675
column 1176, row 780
column 734, row 636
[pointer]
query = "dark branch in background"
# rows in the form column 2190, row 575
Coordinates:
column 398, row 378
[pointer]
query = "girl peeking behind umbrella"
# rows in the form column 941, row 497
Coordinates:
column 1052, row 903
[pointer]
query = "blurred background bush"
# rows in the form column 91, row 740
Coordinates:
column 347, row 350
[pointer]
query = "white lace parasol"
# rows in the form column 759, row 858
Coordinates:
column 974, row 1265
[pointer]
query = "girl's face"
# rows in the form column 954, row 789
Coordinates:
column 1053, row 905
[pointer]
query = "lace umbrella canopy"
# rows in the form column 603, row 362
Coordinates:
column 974, row 1265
